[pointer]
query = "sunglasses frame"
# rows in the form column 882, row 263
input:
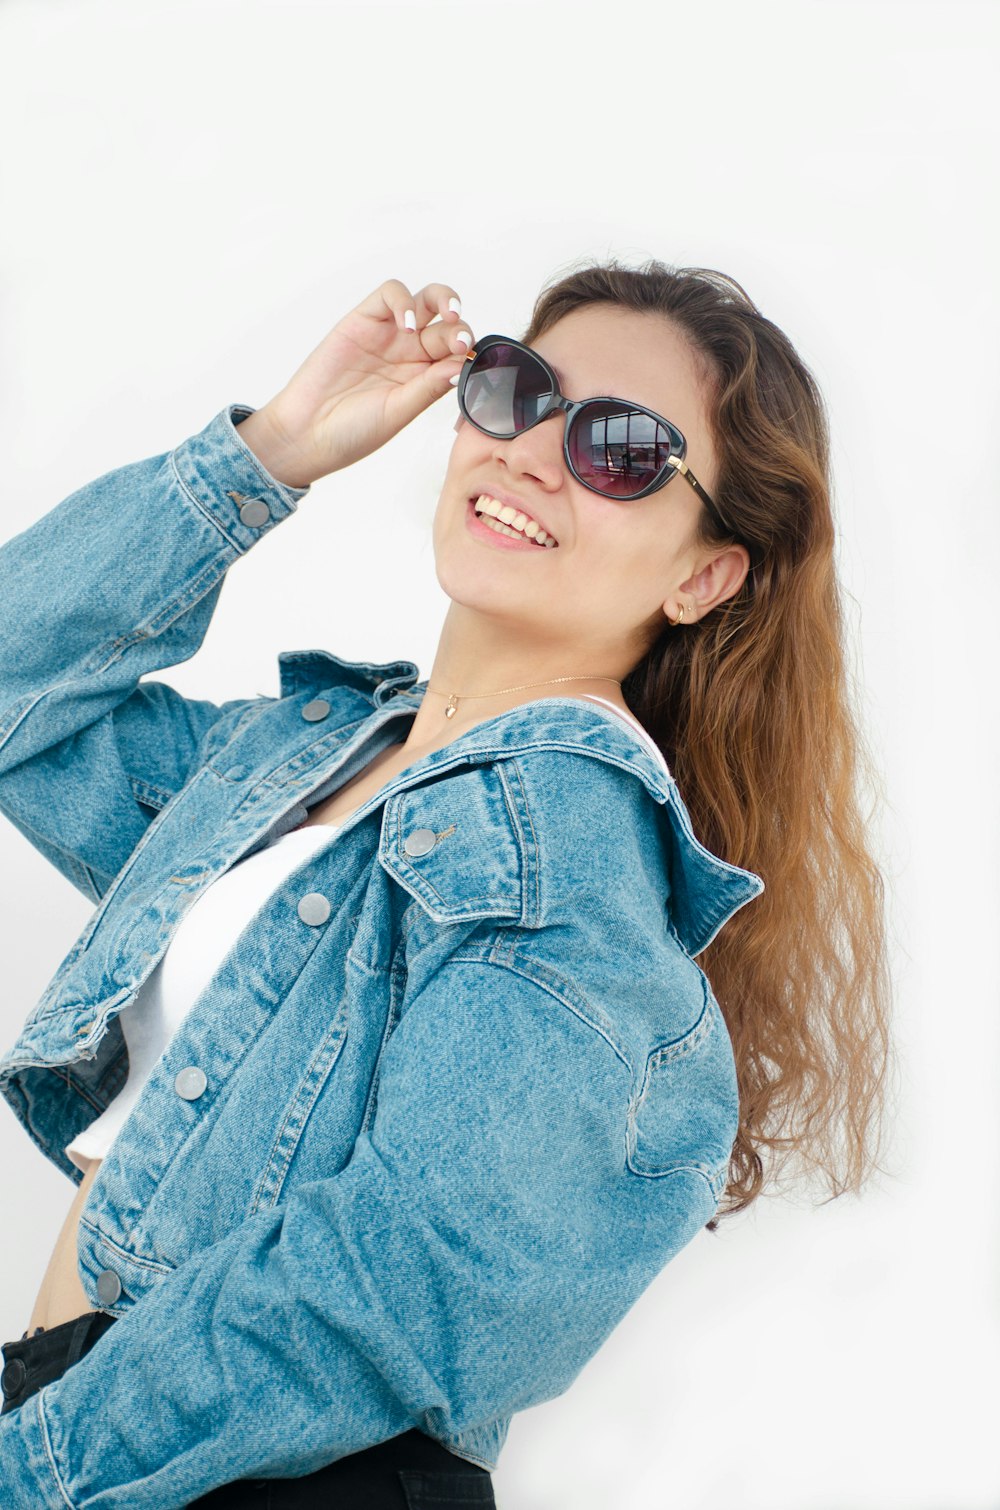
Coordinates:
column 674, row 464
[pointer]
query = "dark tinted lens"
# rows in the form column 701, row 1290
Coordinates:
column 505, row 390
column 616, row 449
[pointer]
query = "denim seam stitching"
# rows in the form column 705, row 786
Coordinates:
column 46, row 1442
column 505, row 956
column 686, row 1042
column 298, row 1110
column 501, row 770
column 153, row 1265
column 207, row 514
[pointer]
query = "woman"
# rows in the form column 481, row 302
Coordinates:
column 384, row 1065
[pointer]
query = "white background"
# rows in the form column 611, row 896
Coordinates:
column 194, row 193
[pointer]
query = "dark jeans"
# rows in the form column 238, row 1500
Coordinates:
column 408, row 1472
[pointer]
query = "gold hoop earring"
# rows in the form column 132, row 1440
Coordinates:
column 676, row 621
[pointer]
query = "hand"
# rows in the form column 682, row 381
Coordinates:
column 365, row 380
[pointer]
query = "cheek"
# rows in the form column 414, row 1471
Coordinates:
column 470, row 448
column 635, row 565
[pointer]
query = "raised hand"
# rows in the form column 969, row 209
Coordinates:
column 367, row 378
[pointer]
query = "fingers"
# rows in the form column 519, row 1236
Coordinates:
column 435, row 299
column 428, row 317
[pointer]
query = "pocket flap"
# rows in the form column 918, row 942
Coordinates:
column 453, row 845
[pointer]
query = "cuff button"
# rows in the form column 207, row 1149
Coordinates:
column 255, row 513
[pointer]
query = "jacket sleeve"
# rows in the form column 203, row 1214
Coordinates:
column 482, row 1242
column 119, row 580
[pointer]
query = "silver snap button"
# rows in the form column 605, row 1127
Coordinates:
column 420, row 842
column 109, row 1287
column 190, row 1082
column 314, row 908
column 255, row 513
column 317, row 709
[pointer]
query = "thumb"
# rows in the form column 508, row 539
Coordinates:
column 440, row 378
column 430, row 385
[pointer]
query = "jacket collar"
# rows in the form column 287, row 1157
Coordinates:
column 567, row 723
column 706, row 890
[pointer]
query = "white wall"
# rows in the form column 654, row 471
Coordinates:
column 194, row 193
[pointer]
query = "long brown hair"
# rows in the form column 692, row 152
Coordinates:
column 752, row 709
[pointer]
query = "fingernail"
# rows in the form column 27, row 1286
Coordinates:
column 454, row 380
column 410, row 320
column 456, row 305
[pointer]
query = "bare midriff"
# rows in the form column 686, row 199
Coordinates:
column 61, row 1296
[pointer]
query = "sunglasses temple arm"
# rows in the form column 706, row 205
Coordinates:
column 688, row 475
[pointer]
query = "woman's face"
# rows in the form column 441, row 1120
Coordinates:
column 618, row 566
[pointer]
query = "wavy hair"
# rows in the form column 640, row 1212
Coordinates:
column 752, row 709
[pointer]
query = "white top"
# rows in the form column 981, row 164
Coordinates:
column 203, row 938
column 201, row 941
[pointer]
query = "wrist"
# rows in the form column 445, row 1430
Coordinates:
column 275, row 451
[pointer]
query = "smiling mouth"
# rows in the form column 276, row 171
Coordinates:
column 505, row 520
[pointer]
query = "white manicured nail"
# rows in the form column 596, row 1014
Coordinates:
column 410, row 320
column 463, row 337
column 454, row 380
column 456, row 305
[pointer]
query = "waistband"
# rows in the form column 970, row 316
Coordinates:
column 31, row 1362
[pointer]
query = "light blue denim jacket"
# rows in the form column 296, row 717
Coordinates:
column 459, row 1109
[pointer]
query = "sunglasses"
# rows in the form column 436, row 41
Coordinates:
column 614, row 447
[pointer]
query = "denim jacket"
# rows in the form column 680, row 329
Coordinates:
column 466, row 1090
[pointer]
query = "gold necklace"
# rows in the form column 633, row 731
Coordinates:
column 453, row 698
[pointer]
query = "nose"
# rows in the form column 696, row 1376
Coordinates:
column 537, row 452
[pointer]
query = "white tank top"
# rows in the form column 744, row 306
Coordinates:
column 203, row 938
column 201, row 941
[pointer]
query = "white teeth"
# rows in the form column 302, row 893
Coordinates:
column 501, row 516
column 503, row 529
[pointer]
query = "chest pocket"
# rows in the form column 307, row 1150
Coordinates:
column 457, row 845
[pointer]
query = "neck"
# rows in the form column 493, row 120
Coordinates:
column 476, row 655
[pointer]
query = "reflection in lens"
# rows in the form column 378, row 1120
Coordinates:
column 505, row 390
column 617, row 449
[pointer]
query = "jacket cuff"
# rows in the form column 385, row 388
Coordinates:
column 224, row 478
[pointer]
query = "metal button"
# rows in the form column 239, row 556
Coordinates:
column 255, row 513
column 190, row 1082
column 316, row 710
column 314, row 908
column 420, row 842
column 12, row 1378
column 109, row 1287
